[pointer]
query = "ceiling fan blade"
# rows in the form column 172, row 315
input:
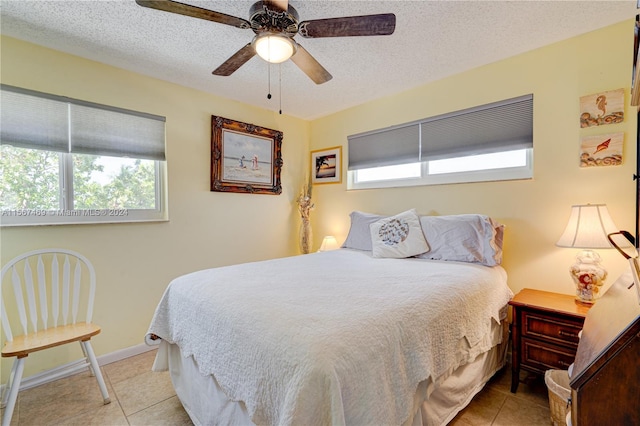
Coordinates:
column 368, row 25
column 279, row 5
column 310, row 66
column 195, row 12
column 237, row 60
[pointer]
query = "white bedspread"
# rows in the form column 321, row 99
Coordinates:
column 331, row 338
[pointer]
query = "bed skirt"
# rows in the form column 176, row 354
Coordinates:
column 434, row 403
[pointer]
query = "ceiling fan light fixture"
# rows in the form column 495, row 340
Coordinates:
column 274, row 48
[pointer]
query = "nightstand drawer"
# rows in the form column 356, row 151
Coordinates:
column 542, row 356
column 560, row 330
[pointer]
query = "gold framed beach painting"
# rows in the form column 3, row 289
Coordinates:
column 244, row 157
column 601, row 150
column 326, row 165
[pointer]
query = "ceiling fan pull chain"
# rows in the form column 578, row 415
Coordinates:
column 269, row 77
column 280, row 83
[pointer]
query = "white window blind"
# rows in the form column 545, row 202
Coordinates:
column 33, row 122
column 496, row 127
column 36, row 120
column 396, row 145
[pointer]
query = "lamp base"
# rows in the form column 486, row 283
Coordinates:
column 588, row 276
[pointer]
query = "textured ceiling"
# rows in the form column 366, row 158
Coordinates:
column 433, row 39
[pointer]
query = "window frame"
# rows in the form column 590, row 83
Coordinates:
column 488, row 175
column 70, row 216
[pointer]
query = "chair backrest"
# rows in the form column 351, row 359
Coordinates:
column 48, row 285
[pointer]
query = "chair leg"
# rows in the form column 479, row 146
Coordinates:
column 12, row 394
column 96, row 370
column 84, row 352
column 7, row 388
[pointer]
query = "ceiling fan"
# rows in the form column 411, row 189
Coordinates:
column 275, row 23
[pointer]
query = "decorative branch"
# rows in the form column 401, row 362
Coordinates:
column 305, row 205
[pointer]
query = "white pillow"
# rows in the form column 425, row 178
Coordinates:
column 398, row 236
column 359, row 236
column 463, row 238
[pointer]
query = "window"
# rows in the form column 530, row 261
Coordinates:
column 67, row 161
column 484, row 143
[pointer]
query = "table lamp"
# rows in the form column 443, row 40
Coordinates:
column 587, row 229
column 329, row 243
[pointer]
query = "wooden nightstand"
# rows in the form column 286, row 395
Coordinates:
column 544, row 332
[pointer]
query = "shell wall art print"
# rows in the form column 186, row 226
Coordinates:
column 601, row 150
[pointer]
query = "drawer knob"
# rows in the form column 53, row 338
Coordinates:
column 567, row 334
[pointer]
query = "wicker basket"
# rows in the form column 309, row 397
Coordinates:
column 559, row 393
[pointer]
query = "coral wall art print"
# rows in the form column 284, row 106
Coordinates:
column 601, row 150
column 602, row 108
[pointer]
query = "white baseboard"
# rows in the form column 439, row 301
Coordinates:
column 125, row 353
column 72, row 368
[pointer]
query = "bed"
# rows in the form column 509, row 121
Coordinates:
column 344, row 337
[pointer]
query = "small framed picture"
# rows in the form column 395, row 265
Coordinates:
column 245, row 157
column 326, row 165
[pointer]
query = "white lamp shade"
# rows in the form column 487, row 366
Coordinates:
column 274, row 48
column 588, row 227
column 329, row 243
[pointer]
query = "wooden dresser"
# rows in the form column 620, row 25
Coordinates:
column 605, row 379
column 544, row 332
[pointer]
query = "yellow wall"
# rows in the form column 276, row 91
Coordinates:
column 135, row 262
column 534, row 211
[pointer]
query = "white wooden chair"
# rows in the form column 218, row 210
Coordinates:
column 50, row 287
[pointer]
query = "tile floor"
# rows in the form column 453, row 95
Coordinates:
column 142, row 397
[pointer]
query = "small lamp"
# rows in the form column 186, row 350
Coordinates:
column 587, row 229
column 329, row 243
column 274, row 48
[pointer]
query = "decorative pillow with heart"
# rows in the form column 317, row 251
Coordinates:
column 398, row 236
